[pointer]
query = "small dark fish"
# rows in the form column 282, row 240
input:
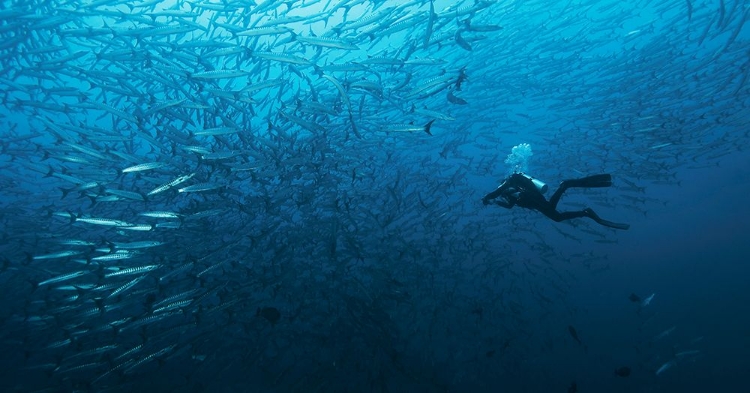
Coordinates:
column 506, row 345
column 461, row 78
column 634, row 298
column 573, row 388
column 574, row 334
column 455, row 100
column 427, row 127
column 623, row 371
column 490, row 354
column 462, row 42
column 272, row 314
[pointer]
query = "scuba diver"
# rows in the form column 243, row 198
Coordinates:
column 525, row 191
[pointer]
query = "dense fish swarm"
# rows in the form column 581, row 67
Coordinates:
column 262, row 196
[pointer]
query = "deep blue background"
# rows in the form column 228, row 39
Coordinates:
column 594, row 87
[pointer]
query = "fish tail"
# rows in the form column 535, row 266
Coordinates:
column 427, row 127
column 65, row 192
column 34, row 284
column 93, row 202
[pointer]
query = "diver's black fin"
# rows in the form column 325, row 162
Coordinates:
column 604, row 180
column 611, row 224
column 591, row 214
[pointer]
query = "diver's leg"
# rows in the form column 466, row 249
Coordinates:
column 556, row 196
column 604, row 180
column 562, row 216
column 591, row 214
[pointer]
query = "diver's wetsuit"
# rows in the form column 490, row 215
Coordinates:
column 520, row 190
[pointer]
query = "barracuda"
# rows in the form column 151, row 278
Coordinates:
column 202, row 187
column 63, row 277
column 408, row 128
column 138, row 245
column 125, row 194
column 346, row 100
column 218, row 74
column 128, row 285
column 147, row 166
column 75, row 242
column 261, row 31
column 132, row 270
column 138, row 227
column 102, row 221
column 216, row 131
column 148, row 358
column 171, row 184
column 160, row 214
column 432, row 86
column 115, row 256
column 57, row 255
column 326, row 42
column 282, row 58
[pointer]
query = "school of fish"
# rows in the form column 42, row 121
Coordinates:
column 283, row 195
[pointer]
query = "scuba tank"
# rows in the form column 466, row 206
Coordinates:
column 540, row 185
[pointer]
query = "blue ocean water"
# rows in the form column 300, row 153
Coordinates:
column 282, row 196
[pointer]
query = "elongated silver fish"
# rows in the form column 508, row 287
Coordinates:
column 282, row 58
column 326, row 42
column 57, row 255
column 138, row 227
column 261, row 31
column 144, row 167
column 201, row 187
column 664, row 367
column 218, row 74
column 127, row 286
column 75, row 242
column 125, row 194
column 137, row 245
column 115, row 256
column 132, row 270
column 103, row 221
column 160, row 214
column 408, row 128
column 63, row 277
column 167, row 186
column 216, row 131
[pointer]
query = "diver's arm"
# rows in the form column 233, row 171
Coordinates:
column 504, row 203
column 494, row 194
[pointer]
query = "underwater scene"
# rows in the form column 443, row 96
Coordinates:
column 374, row 196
